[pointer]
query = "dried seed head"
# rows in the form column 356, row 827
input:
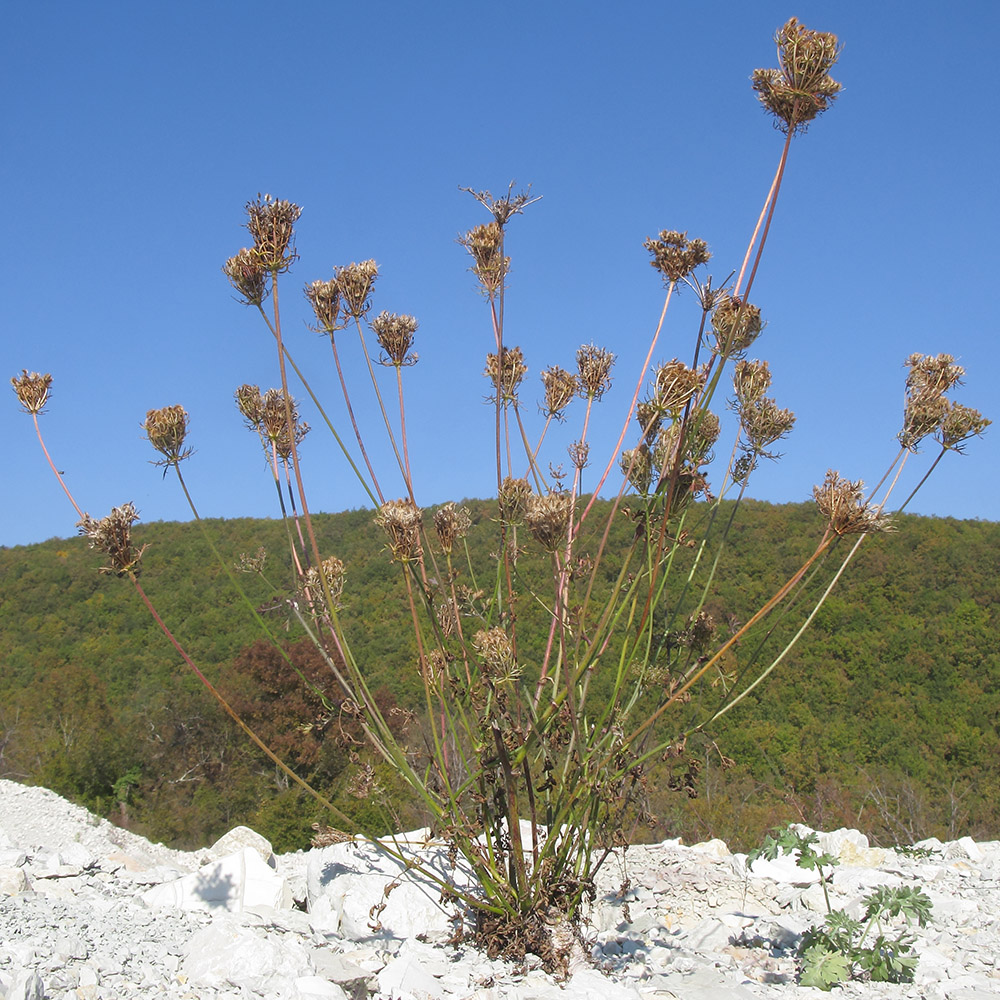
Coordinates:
column 356, row 282
column 594, row 366
column 650, row 417
column 485, row 246
column 251, row 405
column 842, row 503
column 927, row 381
column 283, row 442
column 698, row 632
column 395, row 337
column 548, row 518
column 512, row 499
column 675, row 384
column 735, row 326
column 763, row 423
column 166, row 429
column 271, row 222
column 505, row 370
column 637, row 465
column 579, row 454
column 248, row 275
column 333, row 572
column 324, row 297
column 401, row 521
column 959, row 424
column 113, row 536
column 560, row 388
column 496, row 652
column 751, row 379
column 801, row 89
column 674, row 255
column 273, row 424
column 32, row 390
column 451, row 523
column 503, row 208
column 702, row 433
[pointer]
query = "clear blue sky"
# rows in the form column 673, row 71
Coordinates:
column 133, row 134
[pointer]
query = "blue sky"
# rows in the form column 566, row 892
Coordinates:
column 133, row 135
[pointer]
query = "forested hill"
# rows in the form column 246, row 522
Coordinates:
column 886, row 714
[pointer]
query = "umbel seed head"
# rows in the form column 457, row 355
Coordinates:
column 842, row 503
column 324, row 297
column 271, row 222
column 451, row 523
column 675, row 256
column 593, row 365
column 401, row 521
column 356, row 282
column 113, row 536
column 490, row 266
column 32, row 390
column 561, row 387
column 395, row 337
column 505, row 370
column 247, row 274
column 166, row 429
column 801, row 89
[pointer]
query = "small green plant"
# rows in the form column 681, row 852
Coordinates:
column 874, row 946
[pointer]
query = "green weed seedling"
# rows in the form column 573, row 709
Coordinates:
column 873, row 947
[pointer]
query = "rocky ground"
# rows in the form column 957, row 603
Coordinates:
column 92, row 912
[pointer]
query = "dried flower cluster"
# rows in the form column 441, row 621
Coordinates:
column 548, row 518
column 505, row 370
column 593, row 365
column 401, row 520
column 561, row 387
column 929, row 378
column 324, row 297
column 674, row 385
column 356, row 282
column 112, row 535
column 675, row 256
column 267, row 414
column 503, row 208
column 496, row 652
column 333, row 573
column 512, row 499
column 165, row 430
column 802, row 88
column 32, row 390
column 271, row 222
column 451, row 523
column 489, row 265
column 247, row 274
column 842, row 504
column 395, row 337
column 958, row 425
column 735, row 326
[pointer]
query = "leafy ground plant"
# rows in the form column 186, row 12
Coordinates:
column 553, row 679
column 877, row 946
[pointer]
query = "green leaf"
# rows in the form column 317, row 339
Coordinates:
column 823, row 968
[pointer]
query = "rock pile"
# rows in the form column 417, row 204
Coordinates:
column 92, row 912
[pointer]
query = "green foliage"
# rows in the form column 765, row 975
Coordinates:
column 846, row 947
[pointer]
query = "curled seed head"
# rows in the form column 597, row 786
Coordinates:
column 702, row 433
column 401, row 521
column 395, row 337
column 248, row 275
column 735, row 326
column 561, row 387
column 284, row 442
column 763, row 423
column 112, row 535
column 637, row 465
column 650, row 417
column 842, row 503
column 802, row 88
column 928, row 379
column 512, row 499
column 324, row 297
column 751, row 379
column 496, row 651
column 489, row 265
column 32, row 390
column 674, row 255
column 251, row 405
column 271, row 222
column 451, row 523
column 958, row 425
column 675, row 384
column 579, row 454
column 593, row 365
column 356, row 282
column 548, row 518
column 505, row 370
column 166, row 429
column 333, row 573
